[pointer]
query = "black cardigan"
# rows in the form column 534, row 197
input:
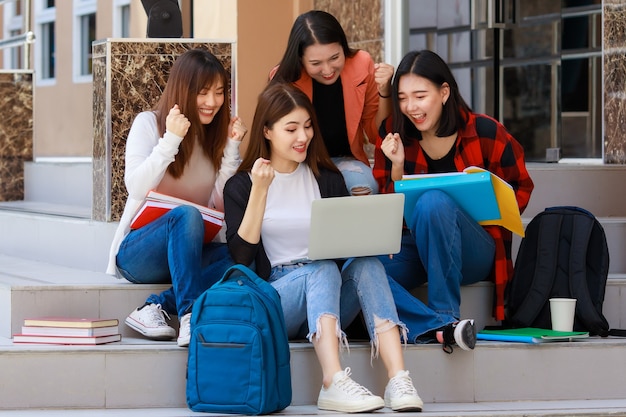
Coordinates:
column 236, row 195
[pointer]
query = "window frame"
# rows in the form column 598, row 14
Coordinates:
column 44, row 16
column 80, row 53
column 118, row 19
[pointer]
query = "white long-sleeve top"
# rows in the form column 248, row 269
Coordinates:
column 147, row 158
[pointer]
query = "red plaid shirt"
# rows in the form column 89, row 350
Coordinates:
column 496, row 151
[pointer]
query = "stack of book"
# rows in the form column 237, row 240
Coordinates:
column 68, row 331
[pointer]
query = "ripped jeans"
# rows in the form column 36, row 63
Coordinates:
column 357, row 175
column 310, row 290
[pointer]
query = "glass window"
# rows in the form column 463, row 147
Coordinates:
column 45, row 47
column 13, row 27
column 121, row 18
column 47, row 50
column 84, row 34
column 88, row 35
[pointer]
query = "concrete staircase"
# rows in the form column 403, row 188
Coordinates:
column 51, row 261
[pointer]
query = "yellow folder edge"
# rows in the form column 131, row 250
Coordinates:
column 510, row 217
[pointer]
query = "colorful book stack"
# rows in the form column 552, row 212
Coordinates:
column 68, row 331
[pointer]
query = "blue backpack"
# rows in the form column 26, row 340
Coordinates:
column 238, row 359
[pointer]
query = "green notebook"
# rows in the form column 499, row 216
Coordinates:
column 529, row 335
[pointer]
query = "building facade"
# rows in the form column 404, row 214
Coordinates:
column 551, row 71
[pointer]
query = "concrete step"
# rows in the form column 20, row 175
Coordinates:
column 52, row 263
column 138, row 374
column 59, row 239
column 33, row 288
column 581, row 408
column 75, row 241
column 64, row 181
column 584, row 183
column 55, row 230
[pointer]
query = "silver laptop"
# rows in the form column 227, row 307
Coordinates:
column 345, row 227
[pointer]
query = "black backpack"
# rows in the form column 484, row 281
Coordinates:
column 564, row 254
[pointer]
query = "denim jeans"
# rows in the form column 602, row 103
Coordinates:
column 308, row 291
column 168, row 250
column 444, row 247
column 356, row 174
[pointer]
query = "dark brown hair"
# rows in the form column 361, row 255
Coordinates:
column 275, row 102
column 193, row 71
column 310, row 28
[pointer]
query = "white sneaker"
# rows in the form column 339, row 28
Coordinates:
column 401, row 395
column 347, row 396
column 149, row 320
column 184, row 334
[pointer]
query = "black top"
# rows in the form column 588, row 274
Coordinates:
column 331, row 116
column 445, row 164
column 236, row 195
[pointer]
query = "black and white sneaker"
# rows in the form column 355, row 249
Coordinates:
column 462, row 333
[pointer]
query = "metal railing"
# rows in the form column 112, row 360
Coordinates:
column 27, row 38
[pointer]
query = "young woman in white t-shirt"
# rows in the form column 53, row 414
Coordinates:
column 268, row 208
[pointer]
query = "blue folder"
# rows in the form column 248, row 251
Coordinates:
column 473, row 191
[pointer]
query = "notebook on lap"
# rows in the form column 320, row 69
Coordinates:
column 345, row 227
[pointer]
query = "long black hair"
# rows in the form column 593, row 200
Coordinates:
column 431, row 66
column 310, row 28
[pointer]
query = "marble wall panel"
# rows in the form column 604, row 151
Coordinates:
column 128, row 78
column 614, row 73
column 16, row 131
column 362, row 20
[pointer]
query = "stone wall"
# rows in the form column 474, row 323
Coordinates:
column 614, row 73
column 128, row 77
column 362, row 20
column 16, row 131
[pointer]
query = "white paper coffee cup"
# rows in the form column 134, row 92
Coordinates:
column 562, row 311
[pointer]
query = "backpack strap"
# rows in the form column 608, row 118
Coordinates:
column 617, row 332
column 579, row 288
column 545, row 270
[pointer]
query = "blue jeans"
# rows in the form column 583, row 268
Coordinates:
column 168, row 250
column 444, row 247
column 311, row 290
column 356, row 174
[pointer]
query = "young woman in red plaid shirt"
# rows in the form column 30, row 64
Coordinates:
column 433, row 130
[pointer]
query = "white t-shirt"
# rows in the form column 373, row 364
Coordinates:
column 287, row 218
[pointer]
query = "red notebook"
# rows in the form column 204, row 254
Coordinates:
column 157, row 204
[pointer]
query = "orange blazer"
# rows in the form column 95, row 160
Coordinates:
column 360, row 98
